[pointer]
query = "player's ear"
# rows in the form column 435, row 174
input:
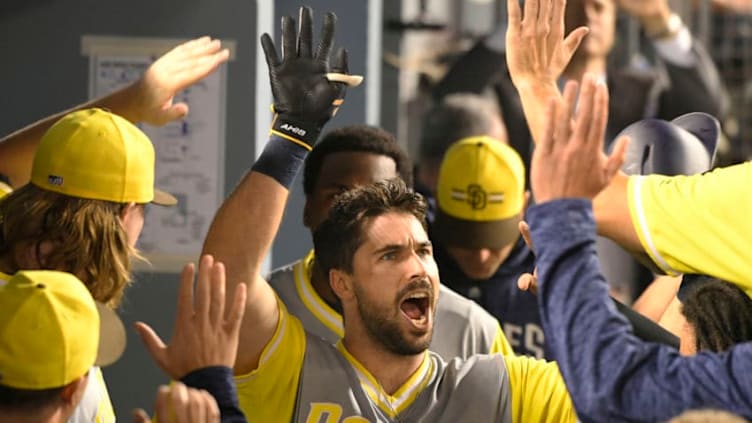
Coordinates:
column 341, row 284
column 74, row 391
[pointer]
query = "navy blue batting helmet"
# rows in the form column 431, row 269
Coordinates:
column 683, row 146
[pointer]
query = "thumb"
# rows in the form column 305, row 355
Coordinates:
column 140, row 416
column 173, row 113
column 573, row 40
column 152, row 342
column 616, row 159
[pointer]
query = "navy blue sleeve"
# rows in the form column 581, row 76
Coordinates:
column 610, row 374
column 218, row 381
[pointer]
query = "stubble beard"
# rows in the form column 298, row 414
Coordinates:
column 387, row 330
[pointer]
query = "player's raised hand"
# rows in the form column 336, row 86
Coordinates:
column 174, row 71
column 569, row 161
column 179, row 404
column 307, row 88
column 204, row 335
column 536, row 49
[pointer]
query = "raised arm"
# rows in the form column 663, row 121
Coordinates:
column 245, row 225
column 150, row 100
column 537, row 53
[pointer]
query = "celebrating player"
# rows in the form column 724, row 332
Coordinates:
column 375, row 252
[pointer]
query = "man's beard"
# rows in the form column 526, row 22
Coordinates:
column 387, row 331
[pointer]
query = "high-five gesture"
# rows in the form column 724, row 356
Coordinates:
column 569, row 160
column 204, row 334
column 174, row 71
column 304, row 98
column 537, row 54
column 537, row 51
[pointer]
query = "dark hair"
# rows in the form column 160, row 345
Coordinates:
column 337, row 237
column 456, row 117
column 720, row 313
column 355, row 138
column 27, row 401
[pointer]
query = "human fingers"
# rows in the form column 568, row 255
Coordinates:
column 217, row 294
column 289, row 39
column 326, row 40
column 305, row 32
column 153, row 343
column 525, row 231
column 184, row 310
column 202, row 297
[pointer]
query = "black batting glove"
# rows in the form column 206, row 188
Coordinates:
column 304, row 99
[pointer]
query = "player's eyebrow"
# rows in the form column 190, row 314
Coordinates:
column 390, row 248
column 398, row 247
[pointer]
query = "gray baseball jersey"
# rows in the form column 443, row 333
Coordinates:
column 462, row 327
column 303, row 378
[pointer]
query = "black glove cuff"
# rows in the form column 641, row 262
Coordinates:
column 304, row 134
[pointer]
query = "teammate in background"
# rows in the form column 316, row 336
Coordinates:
column 478, row 248
column 378, row 261
column 455, row 117
column 344, row 159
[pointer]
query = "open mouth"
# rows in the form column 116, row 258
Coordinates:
column 415, row 307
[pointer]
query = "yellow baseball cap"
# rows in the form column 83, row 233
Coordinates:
column 98, row 155
column 480, row 194
column 53, row 331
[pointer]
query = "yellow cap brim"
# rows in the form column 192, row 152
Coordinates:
column 163, row 198
column 112, row 339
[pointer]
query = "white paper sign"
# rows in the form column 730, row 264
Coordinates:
column 189, row 158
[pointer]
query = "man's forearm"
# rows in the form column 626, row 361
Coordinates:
column 17, row 149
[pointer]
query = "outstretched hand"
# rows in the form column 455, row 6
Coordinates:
column 537, row 51
column 174, row 71
column 203, row 335
column 307, row 88
column 569, row 161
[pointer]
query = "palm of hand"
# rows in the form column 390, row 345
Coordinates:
column 300, row 88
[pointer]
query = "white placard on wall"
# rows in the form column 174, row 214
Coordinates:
column 189, row 152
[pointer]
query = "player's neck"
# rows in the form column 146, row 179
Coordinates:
column 321, row 286
column 390, row 370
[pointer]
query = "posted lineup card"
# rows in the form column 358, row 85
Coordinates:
column 189, row 154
